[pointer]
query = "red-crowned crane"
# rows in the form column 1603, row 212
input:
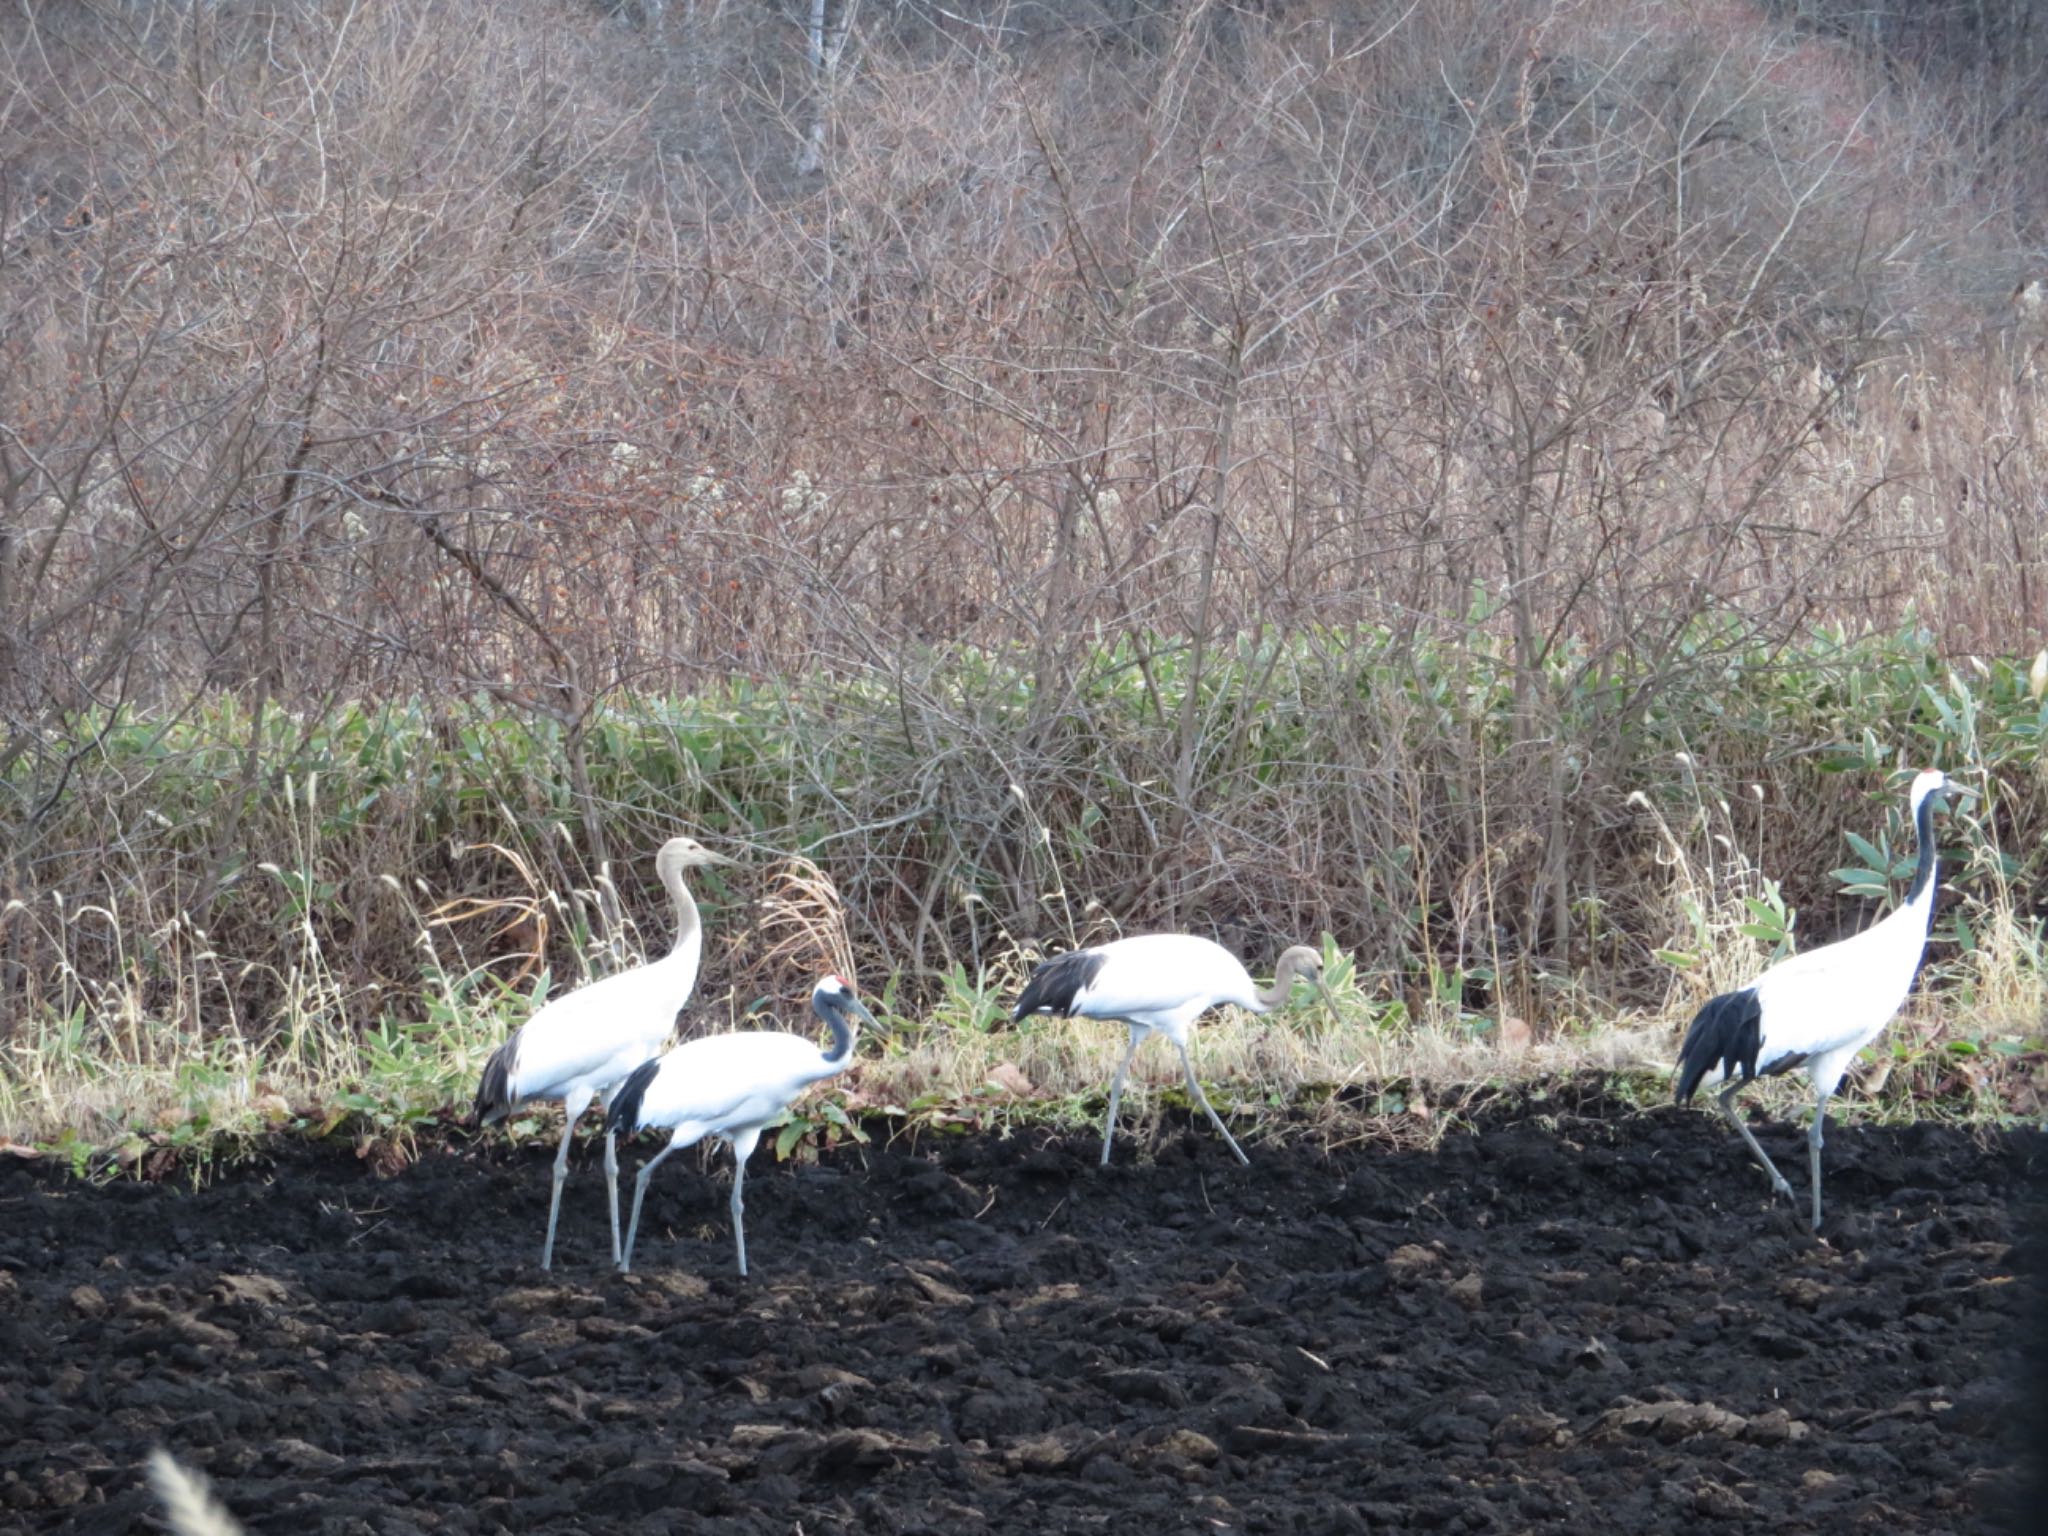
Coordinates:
column 1163, row 982
column 583, row 1044
column 1818, row 1009
column 730, row 1086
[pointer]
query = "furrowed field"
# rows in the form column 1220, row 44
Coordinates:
column 1498, row 494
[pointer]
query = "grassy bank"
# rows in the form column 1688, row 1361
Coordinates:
column 326, row 919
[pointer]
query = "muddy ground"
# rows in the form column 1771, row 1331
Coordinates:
column 1576, row 1315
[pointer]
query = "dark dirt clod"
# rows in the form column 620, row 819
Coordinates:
column 1545, row 1324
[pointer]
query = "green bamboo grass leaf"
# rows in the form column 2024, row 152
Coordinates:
column 1859, row 882
column 786, row 1140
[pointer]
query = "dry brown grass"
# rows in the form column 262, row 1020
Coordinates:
column 1478, row 401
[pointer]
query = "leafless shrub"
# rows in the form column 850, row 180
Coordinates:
column 494, row 359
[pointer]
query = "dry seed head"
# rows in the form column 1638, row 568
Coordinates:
column 189, row 1505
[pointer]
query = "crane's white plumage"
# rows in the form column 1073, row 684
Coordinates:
column 585, row 1043
column 1162, row 982
column 1817, row 1010
column 731, row 1086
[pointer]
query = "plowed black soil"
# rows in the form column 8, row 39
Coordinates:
column 1554, row 1323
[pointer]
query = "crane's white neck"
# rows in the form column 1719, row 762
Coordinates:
column 688, row 950
column 1292, row 966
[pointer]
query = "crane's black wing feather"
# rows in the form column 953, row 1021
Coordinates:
column 1055, row 984
column 623, row 1118
column 1727, row 1032
column 494, row 1092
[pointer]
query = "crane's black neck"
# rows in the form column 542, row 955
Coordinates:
column 1923, row 871
column 836, row 1020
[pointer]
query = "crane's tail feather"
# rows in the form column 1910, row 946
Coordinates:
column 623, row 1118
column 1727, row 1033
column 494, row 1097
column 1055, row 985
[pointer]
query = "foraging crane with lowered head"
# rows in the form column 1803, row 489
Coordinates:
column 1161, row 982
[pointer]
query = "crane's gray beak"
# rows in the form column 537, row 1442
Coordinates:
column 1329, row 998
column 1957, row 791
column 858, row 1009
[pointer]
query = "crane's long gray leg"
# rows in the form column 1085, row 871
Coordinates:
column 1116, row 1091
column 742, row 1148
column 1813, row 1140
column 640, row 1194
column 611, row 1179
column 1202, row 1099
column 1727, row 1098
column 572, row 1111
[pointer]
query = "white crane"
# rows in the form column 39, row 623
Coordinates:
column 586, row 1042
column 1818, row 1009
column 1163, row 982
column 730, row 1086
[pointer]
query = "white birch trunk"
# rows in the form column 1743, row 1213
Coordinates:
column 826, row 47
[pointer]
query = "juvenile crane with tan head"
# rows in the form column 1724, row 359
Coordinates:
column 584, row 1044
column 1163, row 982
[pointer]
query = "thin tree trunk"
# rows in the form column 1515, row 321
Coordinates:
column 1205, row 590
column 825, row 48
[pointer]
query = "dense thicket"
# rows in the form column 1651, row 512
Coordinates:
column 533, row 359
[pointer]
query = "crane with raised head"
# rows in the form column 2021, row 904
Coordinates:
column 731, row 1086
column 1815, row 1011
column 583, row 1044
